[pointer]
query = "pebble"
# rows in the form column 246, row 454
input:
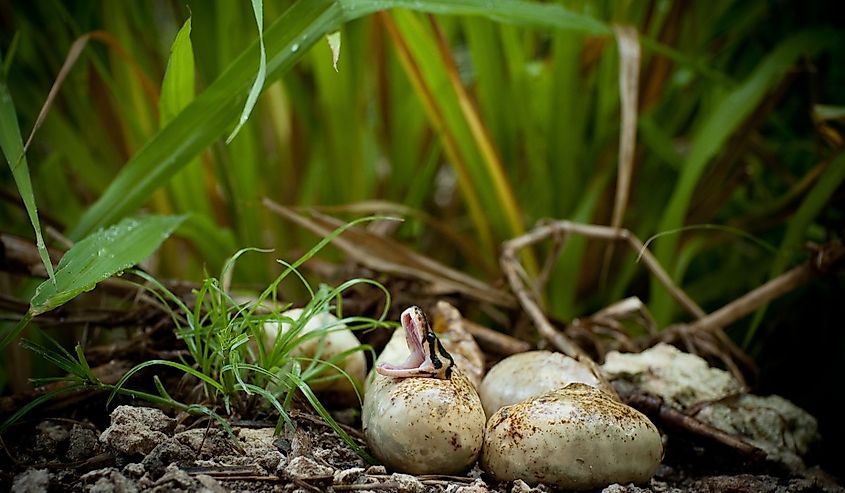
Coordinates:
column 136, row 430
column 31, row 481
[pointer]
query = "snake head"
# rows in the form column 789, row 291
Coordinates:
column 428, row 357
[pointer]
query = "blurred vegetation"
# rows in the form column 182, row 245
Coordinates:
column 487, row 116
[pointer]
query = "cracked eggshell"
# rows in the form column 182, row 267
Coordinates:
column 424, row 425
column 681, row 379
column 577, row 438
column 448, row 324
column 530, row 374
column 337, row 340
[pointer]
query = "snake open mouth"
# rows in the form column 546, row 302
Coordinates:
column 417, row 357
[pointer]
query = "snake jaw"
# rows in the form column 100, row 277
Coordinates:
column 428, row 358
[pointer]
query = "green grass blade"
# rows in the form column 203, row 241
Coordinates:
column 187, row 188
column 177, row 88
column 810, row 208
column 12, row 146
column 12, row 333
column 711, row 138
column 209, row 115
column 179, row 366
column 101, row 255
column 14, row 418
column 258, row 85
column 516, row 12
column 63, row 361
column 287, row 39
column 318, row 406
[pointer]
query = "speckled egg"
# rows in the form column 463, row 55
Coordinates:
column 530, row 374
column 336, row 340
column 424, row 425
column 572, row 438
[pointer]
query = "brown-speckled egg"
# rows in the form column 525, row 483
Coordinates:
column 572, row 438
column 337, row 339
column 530, row 374
column 424, row 425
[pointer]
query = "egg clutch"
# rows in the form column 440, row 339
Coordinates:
column 540, row 416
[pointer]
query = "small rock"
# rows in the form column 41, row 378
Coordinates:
column 53, row 431
column 31, row 481
column 407, row 483
column 280, row 467
column 520, row 486
column 662, row 486
column 257, row 442
column 117, row 484
column 82, row 443
column 206, row 442
column 152, row 418
column 107, row 480
column 209, row 484
column 348, row 476
column 375, row 470
column 174, row 479
column 630, row 488
column 271, row 461
column 49, row 437
column 166, row 453
column 136, row 430
column 477, row 486
column 305, row 468
column 134, row 470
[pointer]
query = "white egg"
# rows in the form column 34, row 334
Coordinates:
column 530, row 374
column 337, row 339
column 424, row 425
column 577, row 437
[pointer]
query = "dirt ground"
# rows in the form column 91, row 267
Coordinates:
column 143, row 449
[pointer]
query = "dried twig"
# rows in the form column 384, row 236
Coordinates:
column 495, row 342
column 654, row 406
column 707, row 332
column 390, row 485
column 308, row 486
column 826, row 257
column 511, row 268
column 297, row 414
column 384, row 254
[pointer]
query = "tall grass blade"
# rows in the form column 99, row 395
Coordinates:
column 796, row 231
column 711, row 137
column 209, row 115
column 252, row 98
column 177, row 88
column 517, row 12
column 629, row 73
column 415, row 48
column 286, row 40
column 628, row 41
column 12, row 147
column 156, row 362
column 41, row 399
